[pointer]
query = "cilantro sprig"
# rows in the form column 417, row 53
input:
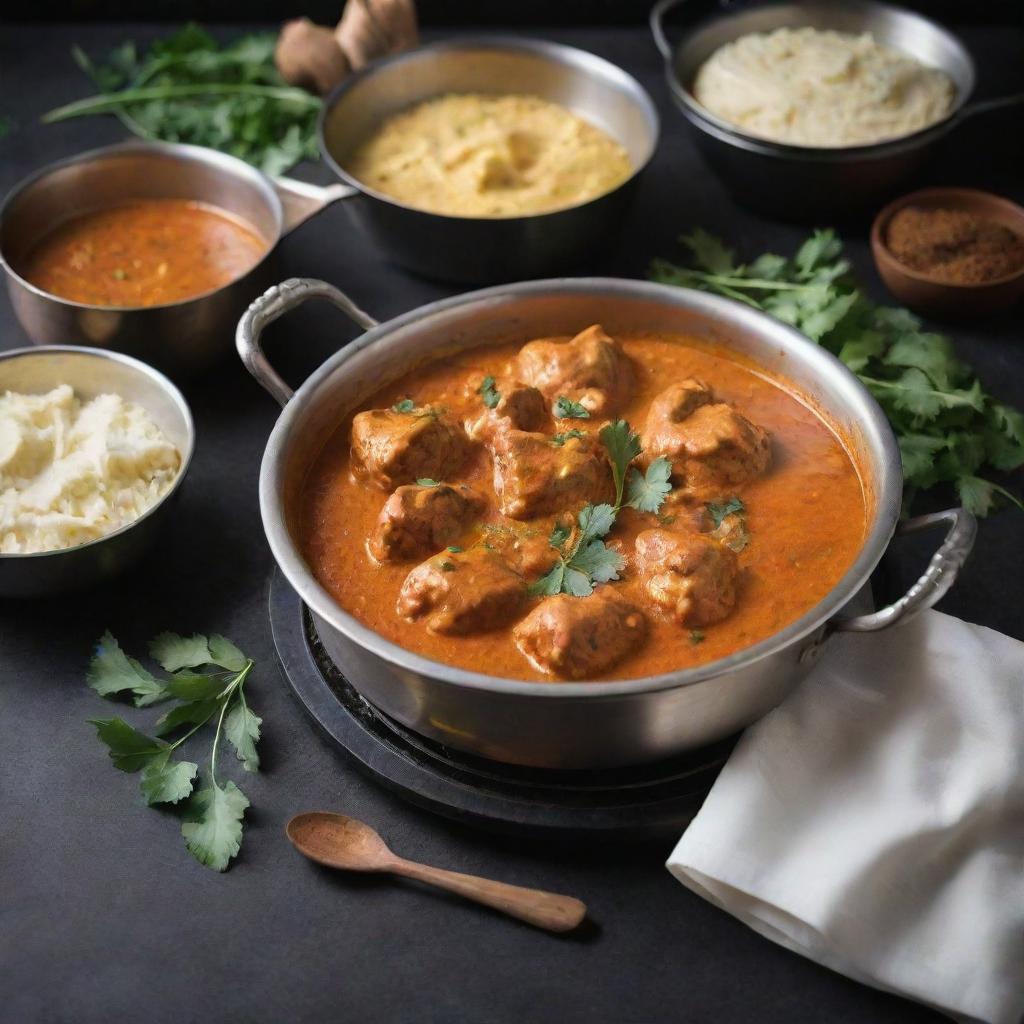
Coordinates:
column 212, row 815
column 566, row 409
column 948, row 428
column 187, row 88
column 583, row 557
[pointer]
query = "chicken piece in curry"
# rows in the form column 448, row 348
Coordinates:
column 583, row 508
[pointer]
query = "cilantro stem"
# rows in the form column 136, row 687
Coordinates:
column 236, row 686
column 110, row 102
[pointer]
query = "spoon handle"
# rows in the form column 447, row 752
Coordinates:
column 543, row 909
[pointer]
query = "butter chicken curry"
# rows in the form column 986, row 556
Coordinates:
column 584, row 508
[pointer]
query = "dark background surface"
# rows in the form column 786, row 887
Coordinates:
column 103, row 914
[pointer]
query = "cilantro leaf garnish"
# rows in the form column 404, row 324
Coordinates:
column 646, row 493
column 559, row 439
column 567, row 409
column 718, row 512
column 212, row 825
column 623, row 447
column 948, row 428
column 488, row 392
column 427, row 481
column 730, row 523
column 405, row 405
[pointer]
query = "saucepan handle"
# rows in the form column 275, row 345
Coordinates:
column 940, row 575
column 984, row 106
column 300, row 200
column 274, row 303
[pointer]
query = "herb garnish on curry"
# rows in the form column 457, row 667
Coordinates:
column 583, row 508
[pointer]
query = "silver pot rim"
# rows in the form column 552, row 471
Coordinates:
column 164, row 382
column 174, row 150
column 579, row 59
column 887, row 489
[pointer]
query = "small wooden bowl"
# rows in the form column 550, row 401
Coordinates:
column 929, row 295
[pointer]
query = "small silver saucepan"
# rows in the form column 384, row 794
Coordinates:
column 805, row 182
column 180, row 337
column 91, row 372
column 489, row 249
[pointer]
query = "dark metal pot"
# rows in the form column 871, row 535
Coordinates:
column 803, row 182
column 575, row 725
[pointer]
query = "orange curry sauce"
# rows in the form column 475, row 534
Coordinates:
column 806, row 516
column 144, row 253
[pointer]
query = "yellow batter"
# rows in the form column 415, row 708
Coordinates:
column 490, row 156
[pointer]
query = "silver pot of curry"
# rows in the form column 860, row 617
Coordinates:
column 583, row 522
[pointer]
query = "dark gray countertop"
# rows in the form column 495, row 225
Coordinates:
column 104, row 915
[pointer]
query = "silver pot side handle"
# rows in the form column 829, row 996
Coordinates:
column 300, row 200
column 274, row 303
column 936, row 580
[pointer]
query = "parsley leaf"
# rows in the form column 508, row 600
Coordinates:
column 646, row 493
column 560, row 533
column 599, row 562
column 405, row 405
column 567, row 409
column 948, row 428
column 187, row 88
column 489, row 393
column 165, row 781
column 213, row 817
column 213, row 824
column 112, row 672
column 426, row 481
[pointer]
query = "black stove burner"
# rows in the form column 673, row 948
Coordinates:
column 623, row 803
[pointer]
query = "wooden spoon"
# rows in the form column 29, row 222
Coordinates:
column 337, row 841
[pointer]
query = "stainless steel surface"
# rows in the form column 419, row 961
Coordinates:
column 564, row 725
column 803, row 182
column 479, row 249
column 94, row 372
column 180, row 337
column 933, row 582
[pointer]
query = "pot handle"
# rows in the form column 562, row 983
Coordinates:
column 985, row 106
column 274, row 303
column 940, row 575
column 301, row 200
column 656, row 20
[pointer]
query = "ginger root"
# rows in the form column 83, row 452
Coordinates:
column 375, row 28
column 318, row 58
column 309, row 56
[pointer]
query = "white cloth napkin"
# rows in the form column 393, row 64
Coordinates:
column 875, row 821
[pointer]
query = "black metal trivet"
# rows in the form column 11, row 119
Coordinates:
column 622, row 803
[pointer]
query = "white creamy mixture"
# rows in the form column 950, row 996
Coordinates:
column 71, row 472
column 806, row 87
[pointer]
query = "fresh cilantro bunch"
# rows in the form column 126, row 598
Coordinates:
column 583, row 557
column 949, row 430
column 187, row 88
column 212, row 815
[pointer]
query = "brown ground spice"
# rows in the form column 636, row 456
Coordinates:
column 954, row 246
